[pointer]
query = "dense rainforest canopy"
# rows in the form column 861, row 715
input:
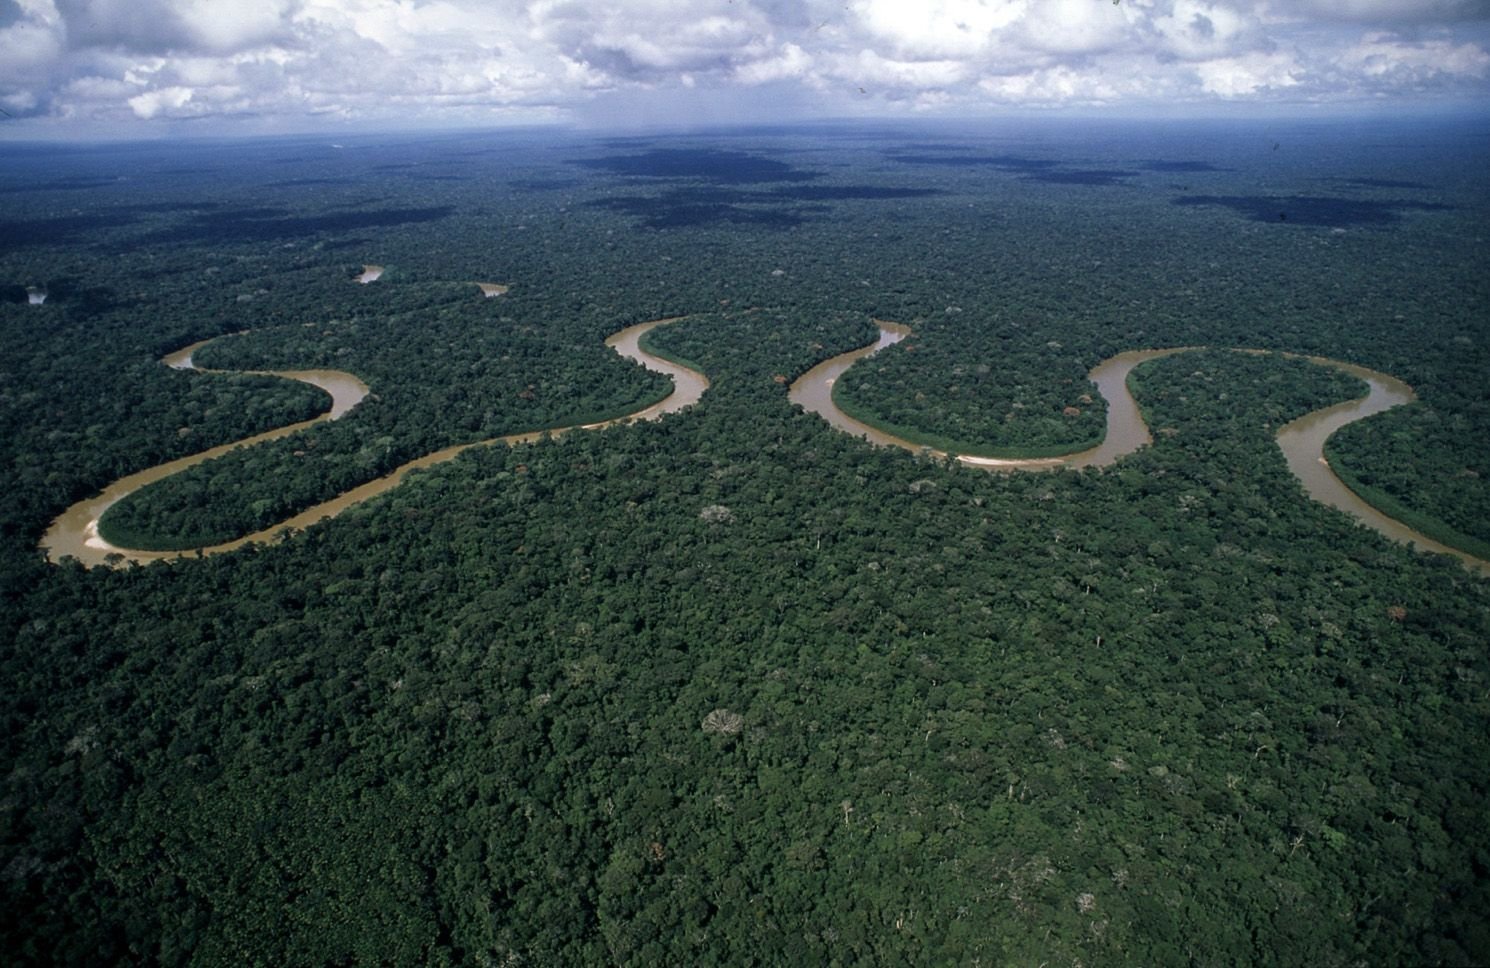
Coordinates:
column 734, row 687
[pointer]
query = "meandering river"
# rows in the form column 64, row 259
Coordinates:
column 75, row 532
column 1302, row 440
column 1126, row 431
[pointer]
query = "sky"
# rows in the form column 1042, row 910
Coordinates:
column 148, row 67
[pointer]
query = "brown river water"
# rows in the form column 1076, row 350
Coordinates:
column 75, row 532
column 1302, row 440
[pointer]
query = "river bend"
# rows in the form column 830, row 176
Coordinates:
column 74, row 533
column 1302, row 440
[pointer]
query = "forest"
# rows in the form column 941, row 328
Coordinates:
column 732, row 686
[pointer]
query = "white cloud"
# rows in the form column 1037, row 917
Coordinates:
column 224, row 27
column 1382, row 63
column 1379, row 55
column 695, row 45
column 93, row 88
column 936, row 29
column 1049, row 86
column 1197, row 30
column 152, row 103
column 1248, row 74
column 478, row 60
column 871, row 69
column 649, row 39
column 791, row 62
column 1074, row 26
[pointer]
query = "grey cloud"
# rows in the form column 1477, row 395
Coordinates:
column 109, row 23
column 163, row 26
column 792, row 15
column 1387, row 11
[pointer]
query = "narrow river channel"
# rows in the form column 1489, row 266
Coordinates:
column 75, row 532
column 1302, row 440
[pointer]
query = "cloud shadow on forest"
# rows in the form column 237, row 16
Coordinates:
column 273, row 224
column 1080, row 176
column 709, row 164
column 542, row 184
column 835, row 193
column 306, row 182
column 1383, row 183
column 70, row 290
column 82, row 294
column 167, row 208
column 60, row 185
column 1180, row 167
column 1316, row 210
column 1029, row 169
column 782, row 207
column 1014, row 163
column 674, row 210
column 59, row 230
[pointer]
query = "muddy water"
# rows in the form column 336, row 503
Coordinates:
column 1301, row 441
column 75, row 533
column 1126, row 431
column 345, row 389
column 813, row 390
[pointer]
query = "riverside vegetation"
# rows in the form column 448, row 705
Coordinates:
column 732, row 685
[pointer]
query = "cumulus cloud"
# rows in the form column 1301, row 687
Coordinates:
column 1197, row 30
column 158, row 26
column 152, row 102
column 936, row 29
column 482, row 60
column 1248, row 74
column 1052, row 85
column 1386, row 61
column 653, row 39
column 1073, row 26
column 790, row 62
